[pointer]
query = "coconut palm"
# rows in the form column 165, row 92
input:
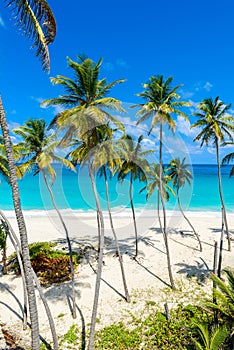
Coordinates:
column 161, row 102
column 38, row 153
column 229, row 158
column 106, row 156
column 135, row 165
column 36, row 20
column 180, row 175
column 153, row 184
column 85, row 101
column 216, row 125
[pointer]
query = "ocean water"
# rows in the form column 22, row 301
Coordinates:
column 74, row 190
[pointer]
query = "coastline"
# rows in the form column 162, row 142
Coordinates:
column 147, row 277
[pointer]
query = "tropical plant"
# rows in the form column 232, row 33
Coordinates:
column 37, row 154
column 106, row 157
column 229, row 157
column 180, row 175
column 215, row 125
column 224, row 295
column 87, row 106
column 153, row 184
column 161, row 101
column 36, row 20
column 134, row 165
column 85, row 102
column 210, row 340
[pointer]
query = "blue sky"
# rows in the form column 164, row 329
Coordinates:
column 191, row 40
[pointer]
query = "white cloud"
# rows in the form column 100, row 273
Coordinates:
column 186, row 94
column 183, row 126
column 121, row 63
column 207, row 86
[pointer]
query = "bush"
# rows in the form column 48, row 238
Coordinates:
column 50, row 264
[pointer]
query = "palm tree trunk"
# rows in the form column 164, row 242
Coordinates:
column 127, row 297
column 188, row 221
column 99, row 231
column 100, row 262
column 158, row 207
column 133, row 216
column 16, row 245
column 221, row 194
column 221, row 248
column 68, row 243
column 164, row 230
column 23, row 233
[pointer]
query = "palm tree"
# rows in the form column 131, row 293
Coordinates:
column 216, row 125
column 229, row 158
column 161, row 101
column 37, row 21
column 210, row 341
column 180, row 175
column 106, row 156
column 85, row 102
column 153, row 183
column 38, row 149
column 87, row 106
column 135, row 165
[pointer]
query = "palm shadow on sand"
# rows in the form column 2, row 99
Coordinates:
column 201, row 270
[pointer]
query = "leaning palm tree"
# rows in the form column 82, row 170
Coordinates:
column 106, row 157
column 229, row 157
column 216, row 125
column 37, row 153
column 36, row 20
column 161, row 102
column 180, row 175
column 86, row 106
column 135, row 165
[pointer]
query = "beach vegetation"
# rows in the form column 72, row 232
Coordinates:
column 50, row 264
column 180, row 175
column 216, row 127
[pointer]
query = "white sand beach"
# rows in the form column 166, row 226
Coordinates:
column 147, row 277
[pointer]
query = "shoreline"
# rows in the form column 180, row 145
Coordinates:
column 117, row 212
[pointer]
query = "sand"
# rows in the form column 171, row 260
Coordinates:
column 147, row 277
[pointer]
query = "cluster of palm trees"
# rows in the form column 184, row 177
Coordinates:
column 88, row 127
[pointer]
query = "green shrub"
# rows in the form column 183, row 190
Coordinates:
column 50, row 264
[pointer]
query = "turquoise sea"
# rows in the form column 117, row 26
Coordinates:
column 73, row 190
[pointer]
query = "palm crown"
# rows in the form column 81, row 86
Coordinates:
column 179, row 173
column 161, row 101
column 214, row 121
column 85, row 100
column 38, row 148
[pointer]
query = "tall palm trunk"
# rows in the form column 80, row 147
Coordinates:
column 158, row 210
column 100, row 262
column 221, row 194
column 133, row 216
column 116, row 239
column 221, row 248
column 68, row 243
column 164, row 231
column 188, row 221
column 23, row 232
